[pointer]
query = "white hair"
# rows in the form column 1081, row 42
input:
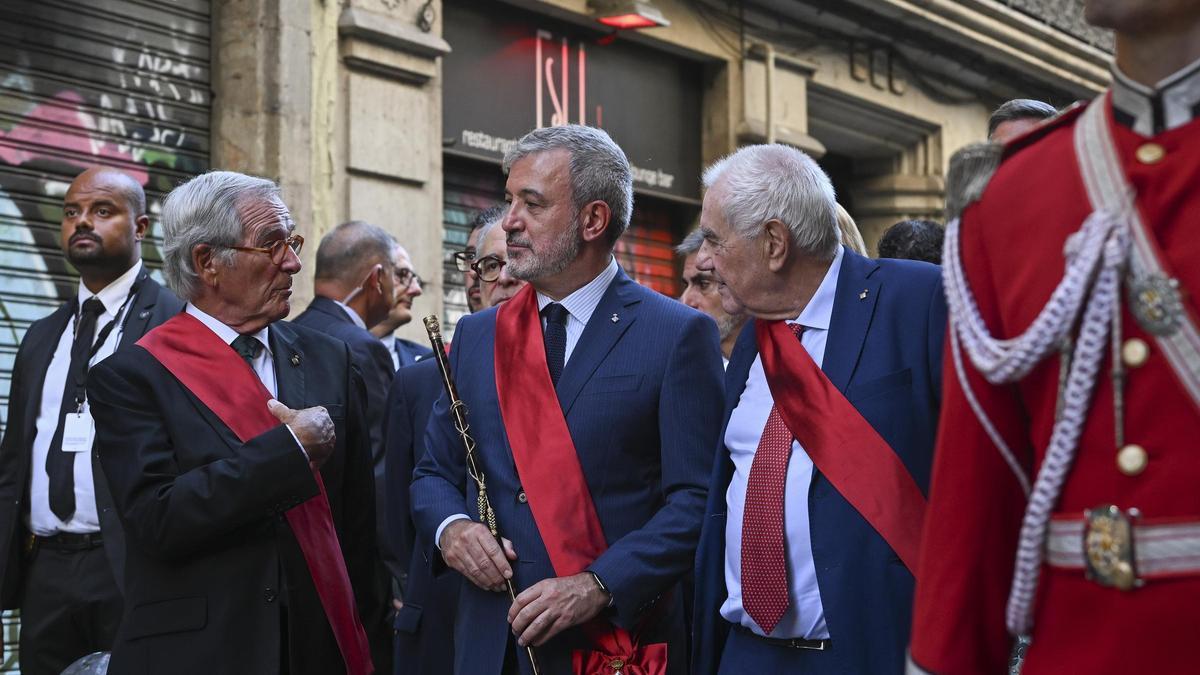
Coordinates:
column 778, row 182
column 204, row 210
column 486, row 229
column 599, row 169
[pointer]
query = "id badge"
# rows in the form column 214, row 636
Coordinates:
column 78, row 431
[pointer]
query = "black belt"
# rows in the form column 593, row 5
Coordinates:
column 70, row 541
column 789, row 643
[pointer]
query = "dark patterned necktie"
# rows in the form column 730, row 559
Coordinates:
column 556, row 339
column 248, row 348
column 60, row 466
column 764, row 554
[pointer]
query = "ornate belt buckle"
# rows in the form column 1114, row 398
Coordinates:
column 1108, row 547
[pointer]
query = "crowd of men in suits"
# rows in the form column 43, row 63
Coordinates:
column 742, row 481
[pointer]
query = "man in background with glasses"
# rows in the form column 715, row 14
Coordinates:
column 408, row 286
column 356, row 284
column 237, row 451
column 464, row 258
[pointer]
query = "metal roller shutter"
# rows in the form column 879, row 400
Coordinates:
column 123, row 83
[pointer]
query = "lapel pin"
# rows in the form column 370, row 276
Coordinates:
column 863, row 295
column 615, row 318
column 295, row 359
column 144, row 313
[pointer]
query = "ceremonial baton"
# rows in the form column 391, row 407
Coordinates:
column 458, row 415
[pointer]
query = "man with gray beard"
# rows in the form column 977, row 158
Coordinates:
column 607, row 395
column 700, row 291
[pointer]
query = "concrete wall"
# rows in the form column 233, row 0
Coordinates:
column 340, row 102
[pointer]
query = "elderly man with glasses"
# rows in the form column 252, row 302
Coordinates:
column 237, row 452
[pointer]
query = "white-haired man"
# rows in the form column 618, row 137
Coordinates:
column 241, row 557
column 815, row 509
column 594, row 402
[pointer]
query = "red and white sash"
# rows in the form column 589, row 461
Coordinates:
column 553, row 480
column 842, row 445
column 226, row 385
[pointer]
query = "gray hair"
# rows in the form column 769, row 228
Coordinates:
column 690, row 243
column 1020, row 109
column 497, row 217
column 778, row 182
column 599, row 169
column 349, row 249
column 204, row 210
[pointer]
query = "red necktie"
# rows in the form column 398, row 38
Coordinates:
column 764, row 562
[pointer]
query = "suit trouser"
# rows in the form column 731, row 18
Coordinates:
column 70, row 607
column 745, row 654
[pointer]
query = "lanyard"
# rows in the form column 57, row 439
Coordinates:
column 81, row 375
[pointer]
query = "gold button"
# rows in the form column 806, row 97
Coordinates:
column 1134, row 352
column 1150, row 153
column 1131, row 460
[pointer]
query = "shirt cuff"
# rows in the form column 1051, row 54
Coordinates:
column 298, row 443
column 437, row 537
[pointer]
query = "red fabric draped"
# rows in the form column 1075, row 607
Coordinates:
column 553, row 480
column 842, row 445
column 225, row 384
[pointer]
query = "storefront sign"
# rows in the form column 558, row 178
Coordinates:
column 513, row 71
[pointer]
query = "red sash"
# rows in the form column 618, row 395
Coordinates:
column 216, row 375
column 841, row 444
column 550, row 473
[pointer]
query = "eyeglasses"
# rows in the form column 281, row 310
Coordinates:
column 488, row 268
column 405, row 276
column 275, row 249
column 463, row 259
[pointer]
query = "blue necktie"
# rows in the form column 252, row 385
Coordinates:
column 556, row 339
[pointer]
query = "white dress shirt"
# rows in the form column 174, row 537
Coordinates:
column 42, row 520
column 580, row 306
column 358, row 320
column 263, row 364
column 805, row 616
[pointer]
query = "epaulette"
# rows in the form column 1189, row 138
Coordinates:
column 972, row 167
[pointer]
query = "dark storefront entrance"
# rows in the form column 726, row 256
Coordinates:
column 512, row 71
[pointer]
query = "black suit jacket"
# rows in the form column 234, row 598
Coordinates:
column 213, row 566
column 374, row 361
column 151, row 306
column 425, row 624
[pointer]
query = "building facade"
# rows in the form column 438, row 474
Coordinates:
column 398, row 111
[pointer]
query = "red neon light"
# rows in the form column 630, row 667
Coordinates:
column 627, row 21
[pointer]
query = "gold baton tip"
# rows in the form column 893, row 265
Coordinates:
column 432, row 324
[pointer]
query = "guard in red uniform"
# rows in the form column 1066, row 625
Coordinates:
column 1065, row 504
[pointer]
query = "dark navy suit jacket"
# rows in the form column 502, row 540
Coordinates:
column 642, row 399
column 372, row 359
column 424, row 625
column 409, row 352
column 884, row 353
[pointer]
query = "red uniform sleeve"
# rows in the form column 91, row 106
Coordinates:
column 976, row 503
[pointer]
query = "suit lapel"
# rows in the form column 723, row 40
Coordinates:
column 599, row 337
column 43, row 339
column 288, row 358
column 137, row 319
column 853, row 306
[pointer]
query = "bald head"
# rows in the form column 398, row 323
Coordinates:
column 118, row 183
column 104, row 221
column 350, row 250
